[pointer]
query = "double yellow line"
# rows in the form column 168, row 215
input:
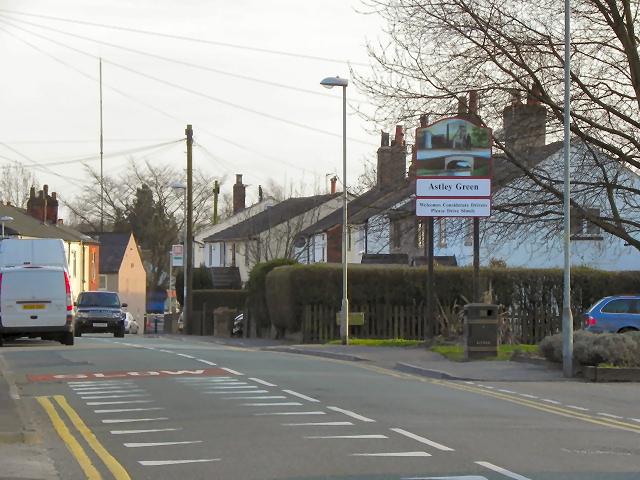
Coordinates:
column 74, row 446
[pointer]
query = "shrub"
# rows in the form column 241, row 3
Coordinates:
column 617, row 349
column 257, row 300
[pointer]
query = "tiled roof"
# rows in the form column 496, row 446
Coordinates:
column 25, row 225
column 113, row 246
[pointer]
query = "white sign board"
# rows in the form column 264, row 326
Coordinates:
column 453, row 187
column 450, row 207
column 177, row 255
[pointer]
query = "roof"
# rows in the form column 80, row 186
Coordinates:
column 504, row 171
column 269, row 218
column 25, row 225
column 373, row 202
column 113, row 246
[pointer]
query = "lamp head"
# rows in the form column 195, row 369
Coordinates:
column 331, row 82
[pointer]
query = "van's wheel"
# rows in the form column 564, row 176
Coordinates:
column 77, row 333
column 1, row 341
column 67, row 338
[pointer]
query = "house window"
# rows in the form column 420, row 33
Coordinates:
column 468, row 232
column 395, row 234
column 323, row 249
column 233, row 255
column 102, row 284
column 93, row 266
column 442, row 232
column 73, row 264
column 582, row 229
column 421, row 233
column 246, row 253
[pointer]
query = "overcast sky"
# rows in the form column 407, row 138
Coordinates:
column 244, row 73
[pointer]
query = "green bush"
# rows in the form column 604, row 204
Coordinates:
column 617, row 349
column 201, row 281
column 257, row 300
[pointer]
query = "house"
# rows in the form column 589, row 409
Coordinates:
column 122, row 270
column 205, row 255
column 268, row 234
column 40, row 220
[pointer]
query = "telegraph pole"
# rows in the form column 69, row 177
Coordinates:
column 188, row 301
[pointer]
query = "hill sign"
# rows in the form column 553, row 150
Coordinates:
column 454, row 167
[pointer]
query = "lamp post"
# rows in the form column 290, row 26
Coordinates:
column 331, row 82
column 177, row 187
column 83, row 238
column 5, row 219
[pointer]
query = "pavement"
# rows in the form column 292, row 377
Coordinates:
column 24, row 456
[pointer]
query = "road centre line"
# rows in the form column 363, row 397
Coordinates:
column 206, row 362
column 502, row 471
column 351, row 414
column 354, row 437
column 582, row 409
column 304, row 397
column 185, row 355
column 317, row 424
column 608, row 415
column 266, row 384
column 161, row 463
column 288, row 413
column 275, row 404
column 551, row 401
column 422, row 440
column 396, row 454
column 527, row 395
column 111, row 463
column 259, row 397
column 228, row 392
column 232, row 371
column 151, row 430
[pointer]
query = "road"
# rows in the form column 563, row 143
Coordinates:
column 162, row 408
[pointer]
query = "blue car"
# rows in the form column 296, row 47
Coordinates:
column 618, row 314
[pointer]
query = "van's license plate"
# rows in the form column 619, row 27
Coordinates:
column 32, row 307
column 100, row 325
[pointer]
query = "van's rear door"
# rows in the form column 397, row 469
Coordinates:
column 33, row 297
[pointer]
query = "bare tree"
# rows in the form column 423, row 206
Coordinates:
column 15, row 183
column 441, row 49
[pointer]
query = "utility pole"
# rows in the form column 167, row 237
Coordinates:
column 188, row 301
column 216, row 192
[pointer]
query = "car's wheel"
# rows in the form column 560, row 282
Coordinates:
column 627, row 329
column 67, row 338
column 1, row 341
column 77, row 333
column 119, row 334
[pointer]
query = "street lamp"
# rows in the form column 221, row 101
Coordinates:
column 331, row 82
column 177, row 187
column 5, row 219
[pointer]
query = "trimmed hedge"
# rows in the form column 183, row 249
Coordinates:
column 289, row 288
column 257, row 300
column 233, row 299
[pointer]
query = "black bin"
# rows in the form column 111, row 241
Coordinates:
column 480, row 331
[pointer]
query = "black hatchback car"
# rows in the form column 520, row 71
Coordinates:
column 99, row 312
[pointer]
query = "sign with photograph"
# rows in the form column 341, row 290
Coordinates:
column 453, row 162
column 177, row 255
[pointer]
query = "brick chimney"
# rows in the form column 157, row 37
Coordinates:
column 392, row 159
column 43, row 207
column 239, row 194
column 468, row 110
column 334, row 181
column 524, row 124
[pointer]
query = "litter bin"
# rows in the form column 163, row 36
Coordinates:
column 480, row 331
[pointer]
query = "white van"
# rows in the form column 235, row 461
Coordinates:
column 33, row 251
column 36, row 302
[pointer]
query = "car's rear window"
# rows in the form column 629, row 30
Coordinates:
column 95, row 299
column 619, row 305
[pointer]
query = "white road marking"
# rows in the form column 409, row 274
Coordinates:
column 635, row 419
column 550, row 401
column 229, row 382
column 355, row 437
column 304, row 397
column 351, row 414
column 265, row 397
column 501, row 470
column 131, row 420
column 93, row 388
column 392, row 454
column 229, row 387
column 151, row 430
column 206, row 362
column 289, row 413
column 119, row 402
column 506, row 391
column 577, row 408
column 267, row 384
column 202, row 379
column 185, row 355
column 109, row 392
column 275, row 404
column 121, row 410
column 608, row 415
column 97, row 397
column 422, row 440
column 527, row 396
column 464, row 477
column 229, row 392
column 232, row 371
column 149, row 463
column 158, row 444
column 316, row 424
column 92, row 383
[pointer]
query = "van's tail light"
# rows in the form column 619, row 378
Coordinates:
column 69, row 296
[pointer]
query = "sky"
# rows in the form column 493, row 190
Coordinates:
column 245, row 74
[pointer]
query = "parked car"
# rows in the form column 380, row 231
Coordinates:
column 130, row 323
column 99, row 312
column 620, row 313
